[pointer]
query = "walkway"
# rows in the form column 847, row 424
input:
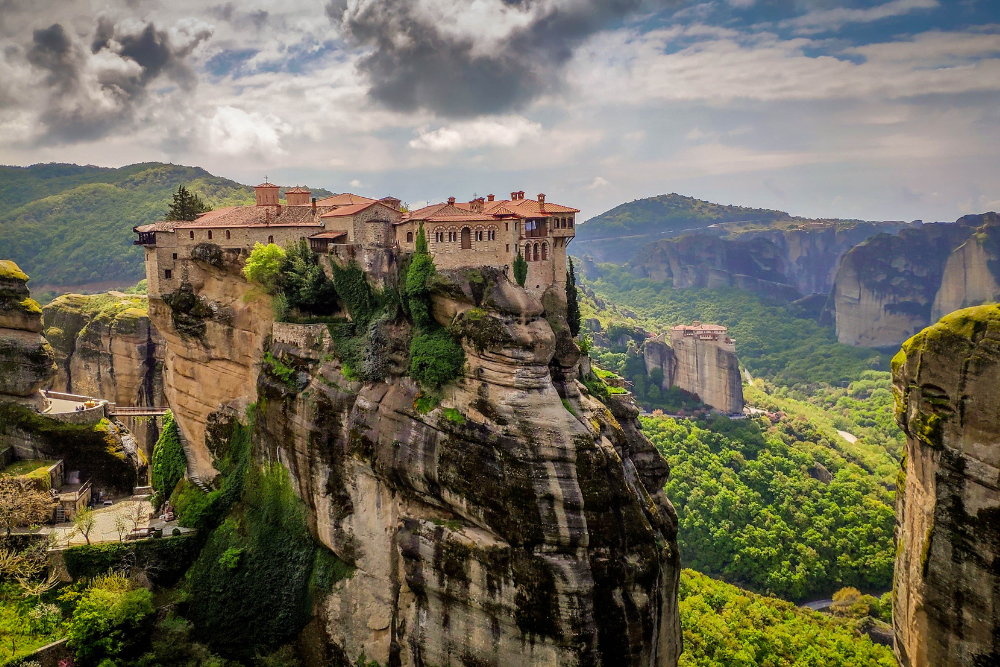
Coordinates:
column 104, row 523
column 137, row 411
column 61, row 405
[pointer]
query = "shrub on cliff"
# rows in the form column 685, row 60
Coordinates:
column 263, row 266
column 435, row 358
column 169, row 461
column 520, row 268
column 304, row 284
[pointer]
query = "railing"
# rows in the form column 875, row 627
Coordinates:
column 136, row 411
column 146, row 238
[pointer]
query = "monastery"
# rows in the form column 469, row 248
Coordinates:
column 482, row 232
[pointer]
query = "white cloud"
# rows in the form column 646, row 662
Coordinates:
column 643, row 68
column 233, row 131
column 501, row 133
column 355, row 183
column 598, row 182
column 831, row 19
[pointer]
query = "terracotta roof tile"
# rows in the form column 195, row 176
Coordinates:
column 345, row 199
column 298, row 191
column 449, row 213
column 256, row 216
column 342, row 211
column 331, row 234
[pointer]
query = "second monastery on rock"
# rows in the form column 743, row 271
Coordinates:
column 482, row 232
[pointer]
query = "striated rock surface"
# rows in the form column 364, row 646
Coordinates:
column 705, row 368
column 518, row 522
column 946, row 610
column 214, row 326
column 106, row 346
column 971, row 275
column 700, row 260
column 26, row 359
column 887, row 287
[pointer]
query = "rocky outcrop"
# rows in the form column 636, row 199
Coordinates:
column 705, row 368
column 700, row 260
column 214, row 327
column 26, row 359
column 518, row 522
column 887, row 288
column 106, row 347
column 778, row 264
column 971, row 274
column 946, row 610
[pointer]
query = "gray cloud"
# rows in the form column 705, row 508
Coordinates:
column 416, row 64
column 90, row 96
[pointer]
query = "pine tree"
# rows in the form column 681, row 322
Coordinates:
column 186, row 205
column 520, row 268
column 572, row 302
column 421, row 244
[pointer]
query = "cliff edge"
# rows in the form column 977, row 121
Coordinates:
column 507, row 519
column 945, row 607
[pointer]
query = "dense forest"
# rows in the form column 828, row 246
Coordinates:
column 775, row 508
column 69, row 225
column 724, row 626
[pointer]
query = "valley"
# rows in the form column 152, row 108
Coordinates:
column 444, row 463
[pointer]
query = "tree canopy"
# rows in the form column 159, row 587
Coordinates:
column 186, row 205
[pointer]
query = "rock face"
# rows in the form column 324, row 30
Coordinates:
column 946, row 610
column 890, row 287
column 214, row 326
column 27, row 361
column 499, row 528
column 105, row 346
column 705, row 368
column 777, row 264
column 700, row 260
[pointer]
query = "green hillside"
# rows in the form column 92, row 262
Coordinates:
column 68, row 225
column 615, row 235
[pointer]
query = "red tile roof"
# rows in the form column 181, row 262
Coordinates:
column 255, row 216
column 342, row 211
column 265, row 184
column 449, row 213
column 298, row 191
column 332, row 234
column 345, row 199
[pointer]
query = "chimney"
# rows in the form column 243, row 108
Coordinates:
column 489, row 197
column 541, row 199
column 267, row 216
column 314, row 203
column 513, row 196
column 451, row 200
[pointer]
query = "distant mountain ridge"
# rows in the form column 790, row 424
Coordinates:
column 619, row 234
column 69, row 225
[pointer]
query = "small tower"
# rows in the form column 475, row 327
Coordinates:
column 297, row 196
column 267, row 194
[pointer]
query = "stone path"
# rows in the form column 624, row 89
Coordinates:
column 847, row 436
column 104, row 526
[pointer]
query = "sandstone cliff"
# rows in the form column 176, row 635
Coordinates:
column 699, row 367
column 946, row 610
column 105, row 346
column 27, row 361
column 102, row 452
column 887, row 288
column 214, row 327
column 780, row 264
column 518, row 522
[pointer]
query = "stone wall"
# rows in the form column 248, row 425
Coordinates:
column 304, row 336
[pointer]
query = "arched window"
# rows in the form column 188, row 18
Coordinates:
column 227, row 234
column 466, row 238
column 545, row 251
column 210, row 235
column 409, row 237
column 527, row 252
column 270, row 239
column 191, row 233
column 536, row 252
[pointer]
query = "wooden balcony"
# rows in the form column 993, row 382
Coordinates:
column 146, row 238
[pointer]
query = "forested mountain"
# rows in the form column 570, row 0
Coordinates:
column 69, row 226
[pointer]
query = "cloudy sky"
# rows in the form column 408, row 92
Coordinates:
column 863, row 109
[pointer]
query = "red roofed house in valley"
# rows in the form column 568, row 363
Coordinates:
column 481, row 232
